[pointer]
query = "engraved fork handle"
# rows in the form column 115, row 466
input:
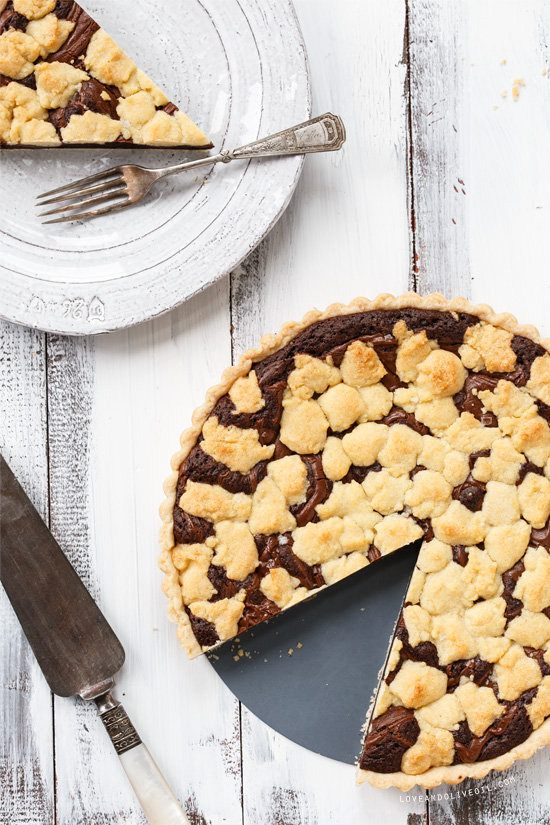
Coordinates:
column 157, row 800
column 325, row 133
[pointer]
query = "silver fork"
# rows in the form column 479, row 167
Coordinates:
column 127, row 184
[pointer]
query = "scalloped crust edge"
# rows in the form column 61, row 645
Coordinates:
column 454, row 774
column 269, row 344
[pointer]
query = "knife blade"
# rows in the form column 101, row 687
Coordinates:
column 74, row 645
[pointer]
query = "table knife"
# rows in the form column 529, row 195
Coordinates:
column 76, row 648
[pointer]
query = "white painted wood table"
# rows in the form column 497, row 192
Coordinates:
column 444, row 184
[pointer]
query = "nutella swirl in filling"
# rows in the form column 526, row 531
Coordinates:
column 364, row 433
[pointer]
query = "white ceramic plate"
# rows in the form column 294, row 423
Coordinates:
column 239, row 69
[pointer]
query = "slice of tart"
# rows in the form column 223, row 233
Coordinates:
column 65, row 82
column 347, row 437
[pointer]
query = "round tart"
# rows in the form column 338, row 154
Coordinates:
column 346, row 437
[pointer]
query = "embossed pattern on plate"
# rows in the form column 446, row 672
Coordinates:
column 239, row 69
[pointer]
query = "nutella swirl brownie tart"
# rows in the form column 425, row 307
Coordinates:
column 346, row 437
column 64, row 81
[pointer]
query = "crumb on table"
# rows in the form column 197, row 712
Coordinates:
column 518, row 81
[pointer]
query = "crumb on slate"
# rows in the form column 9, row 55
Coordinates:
column 290, row 651
column 299, row 645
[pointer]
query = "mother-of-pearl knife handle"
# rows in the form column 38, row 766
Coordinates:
column 157, row 800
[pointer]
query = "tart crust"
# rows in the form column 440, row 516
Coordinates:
column 454, row 774
column 268, row 345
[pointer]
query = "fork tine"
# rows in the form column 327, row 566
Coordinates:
column 92, row 214
column 88, row 190
column 86, row 202
column 115, row 170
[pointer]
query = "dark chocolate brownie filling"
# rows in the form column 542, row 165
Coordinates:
column 205, row 632
column 373, row 553
column 544, row 410
column 527, row 352
column 510, row 730
column 466, row 401
column 460, row 555
column 480, row 454
column 11, row 19
column 199, row 466
column 398, row 416
column 422, row 652
column 63, row 8
column 275, row 551
column 225, row 588
column 74, row 47
column 318, row 491
column 471, row 494
column 266, row 420
column 509, row 580
column 359, row 474
column 476, row 669
column 528, row 467
column 390, row 735
column 426, row 525
column 322, row 337
column 272, row 553
column 257, row 608
column 189, row 529
column 538, row 655
column 87, row 98
column 541, row 538
column 29, row 82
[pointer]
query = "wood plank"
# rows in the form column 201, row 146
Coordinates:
column 438, row 55
column 147, row 382
column 26, row 741
column 345, row 233
column 90, row 782
column 480, row 172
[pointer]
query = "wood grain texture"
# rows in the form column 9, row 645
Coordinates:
column 26, row 740
column 148, row 381
column 438, row 59
column 71, row 379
